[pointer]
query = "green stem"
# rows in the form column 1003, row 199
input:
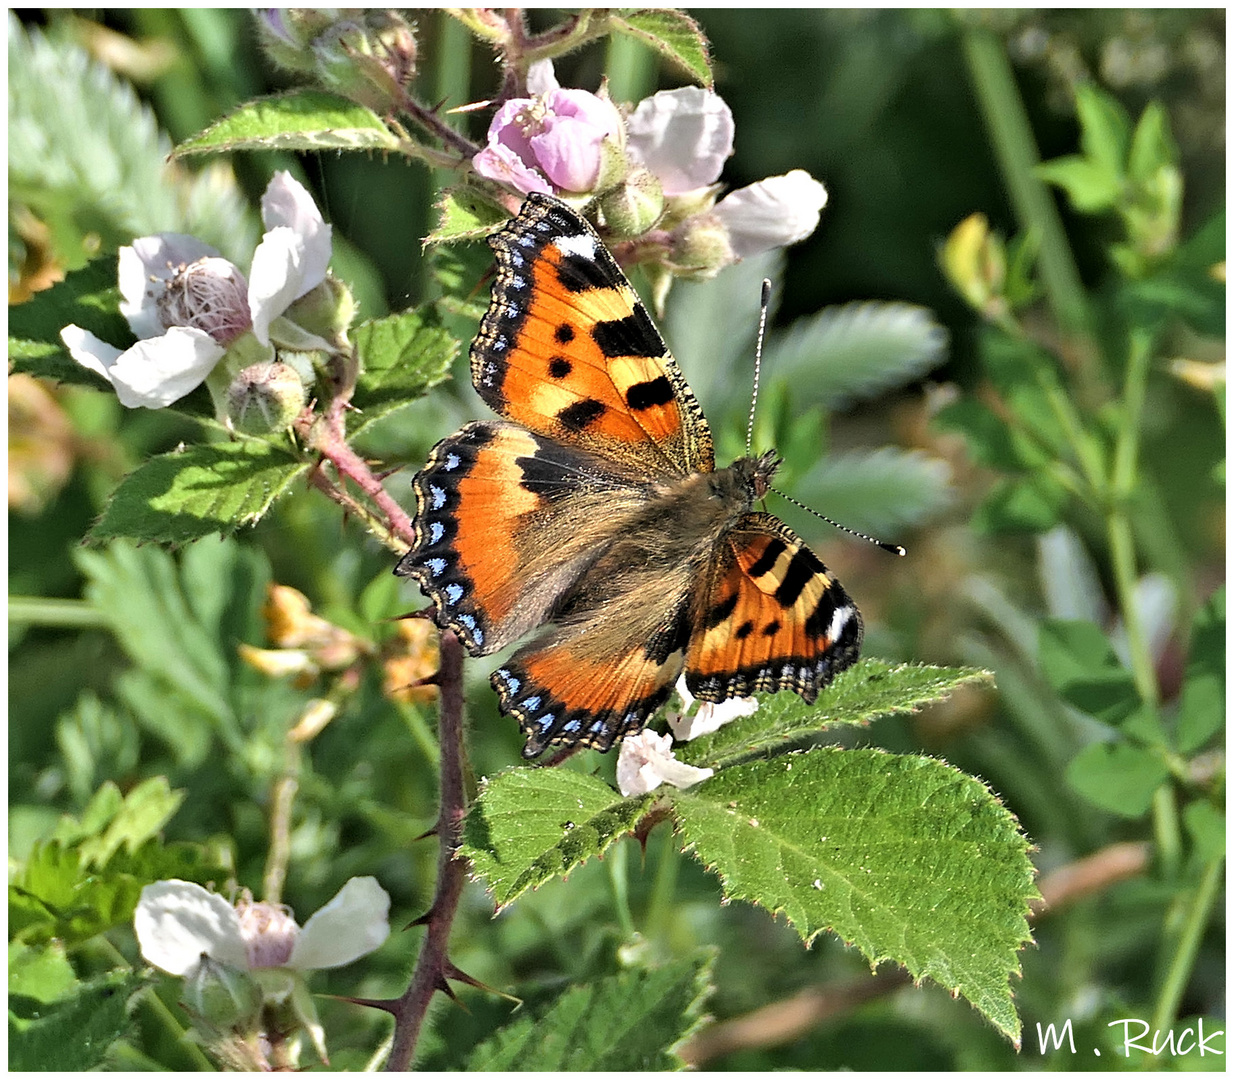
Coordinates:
column 630, row 67
column 63, row 614
column 665, row 885
column 1016, row 150
column 618, row 863
column 1188, row 943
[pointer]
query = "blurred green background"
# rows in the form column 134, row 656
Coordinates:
column 878, row 104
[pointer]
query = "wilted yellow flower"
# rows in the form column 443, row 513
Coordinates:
column 411, row 658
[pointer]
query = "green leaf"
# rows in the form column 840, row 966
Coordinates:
column 88, row 297
column 672, row 34
column 465, row 214
column 1026, row 377
column 298, row 120
column 144, row 811
column 627, row 1022
column 905, row 857
column 1079, row 662
column 991, row 440
column 856, row 351
column 1105, row 128
column 1117, row 776
column 1032, row 505
column 1201, row 708
column 1206, row 824
column 530, row 825
column 1152, row 145
column 40, row 973
column 866, row 691
column 1092, row 188
column 187, row 494
column 878, row 491
column 404, row 356
column 75, row 1034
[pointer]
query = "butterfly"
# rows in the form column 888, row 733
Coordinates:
column 592, row 515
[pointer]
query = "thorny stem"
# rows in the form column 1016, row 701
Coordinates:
column 433, row 964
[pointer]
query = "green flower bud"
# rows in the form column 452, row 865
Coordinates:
column 223, row 997
column 265, row 398
column 635, row 206
column 370, row 59
column 701, row 247
column 325, row 311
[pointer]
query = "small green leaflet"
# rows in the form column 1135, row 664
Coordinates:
column 300, row 120
column 403, row 356
column 187, row 494
column 869, row 689
column 905, row 857
column 465, row 214
column 629, row 1021
column 530, row 825
column 673, row 34
column 75, row 1034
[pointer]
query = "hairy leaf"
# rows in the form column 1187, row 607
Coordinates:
column 905, row 857
column 187, row 494
column 626, row 1022
column 465, row 214
column 674, row 35
column 299, row 120
column 404, row 356
column 530, row 825
column 869, row 689
column 856, row 351
column 74, row 1034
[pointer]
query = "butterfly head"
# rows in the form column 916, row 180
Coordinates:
column 753, row 474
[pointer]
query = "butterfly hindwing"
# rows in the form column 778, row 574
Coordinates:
column 568, row 350
column 505, row 523
column 773, row 617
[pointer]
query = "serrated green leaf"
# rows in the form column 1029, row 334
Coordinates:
column 905, row 857
column 95, row 166
column 465, row 214
column 145, row 810
column 75, row 1034
column 530, row 825
column 1117, row 776
column 298, row 120
column 1079, row 662
column 856, row 351
column 1091, row 188
column 626, row 1022
column 878, row 491
column 866, row 691
column 673, row 34
column 404, row 356
column 200, row 490
column 1201, row 709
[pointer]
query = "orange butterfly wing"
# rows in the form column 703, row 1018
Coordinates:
column 568, row 350
column 772, row 617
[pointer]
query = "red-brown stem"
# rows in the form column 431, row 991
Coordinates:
column 433, row 965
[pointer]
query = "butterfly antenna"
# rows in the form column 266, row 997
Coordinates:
column 894, row 549
column 758, row 358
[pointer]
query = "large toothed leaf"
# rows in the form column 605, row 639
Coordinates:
column 300, row 120
column 869, row 689
column 629, row 1021
column 904, row 857
column 530, row 825
column 191, row 493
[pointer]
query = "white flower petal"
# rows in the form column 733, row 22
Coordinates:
column 89, row 351
column 646, row 761
column 157, row 371
column 775, row 212
column 286, row 204
column 275, row 279
column 177, row 921
column 145, row 267
column 683, row 136
column 711, row 716
column 354, row 923
column 541, row 79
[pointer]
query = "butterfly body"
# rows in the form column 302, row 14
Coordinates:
column 593, row 516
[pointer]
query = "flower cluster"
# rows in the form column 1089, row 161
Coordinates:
column 646, row 760
column 190, row 309
column 656, row 168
